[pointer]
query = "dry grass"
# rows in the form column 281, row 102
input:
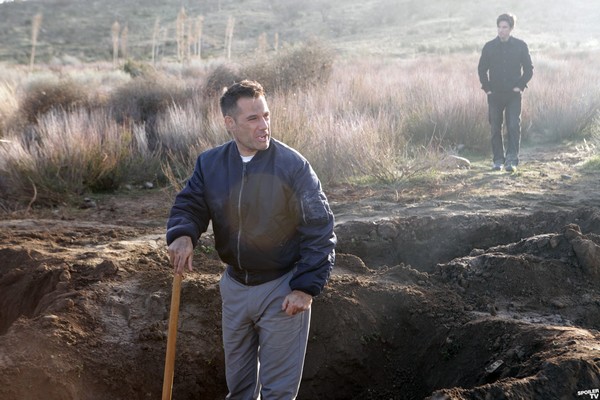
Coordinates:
column 47, row 94
column 564, row 99
column 368, row 121
column 72, row 153
column 184, row 133
column 305, row 66
column 8, row 106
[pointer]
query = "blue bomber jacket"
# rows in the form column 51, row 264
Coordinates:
column 269, row 215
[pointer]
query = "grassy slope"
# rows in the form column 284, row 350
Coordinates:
column 405, row 28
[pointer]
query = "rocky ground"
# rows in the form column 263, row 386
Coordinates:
column 483, row 285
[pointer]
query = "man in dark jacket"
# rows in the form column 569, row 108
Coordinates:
column 504, row 69
column 274, row 229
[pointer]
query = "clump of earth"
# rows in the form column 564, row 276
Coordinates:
column 483, row 285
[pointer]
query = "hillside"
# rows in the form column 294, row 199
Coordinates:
column 81, row 30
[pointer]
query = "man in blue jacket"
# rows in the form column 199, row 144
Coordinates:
column 504, row 69
column 273, row 228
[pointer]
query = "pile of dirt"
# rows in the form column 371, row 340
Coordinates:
column 424, row 303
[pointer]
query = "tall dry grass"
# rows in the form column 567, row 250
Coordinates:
column 36, row 23
column 296, row 67
column 47, row 94
column 115, row 34
column 185, row 132
column 563, row 101
column 385, row 120
column 361, row 121
column 8, row 106
column 180, row 38
column 229, row 36
column 74, row 153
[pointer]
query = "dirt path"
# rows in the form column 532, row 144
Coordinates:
column 548, row 178
column 480, row 285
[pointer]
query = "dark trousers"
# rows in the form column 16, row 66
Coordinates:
column 505, row 105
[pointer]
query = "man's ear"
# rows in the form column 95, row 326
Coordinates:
column 229, row 122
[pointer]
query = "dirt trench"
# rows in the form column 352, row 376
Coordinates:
column 450, row 307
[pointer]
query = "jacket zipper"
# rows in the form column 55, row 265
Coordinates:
column 239, row 235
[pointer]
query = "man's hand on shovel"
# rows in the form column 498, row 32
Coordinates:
column 181, row 252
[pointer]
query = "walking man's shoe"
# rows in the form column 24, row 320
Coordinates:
column 497, row 167
column 510, row 168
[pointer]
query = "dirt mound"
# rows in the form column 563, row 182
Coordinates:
column 496, row 297
column 84, row 316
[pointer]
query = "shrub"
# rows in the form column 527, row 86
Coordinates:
column 184, row 133
column 562, row 109
column 93, row 146
column 294, row 68
column 47, row 94
column 136, row 69
column 78, row 152
column 448, row 114
column 142, row 100
column 8, row 106
column 341, row 148
column 222, row 76
column 181, row 129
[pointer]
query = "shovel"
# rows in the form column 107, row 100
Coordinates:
column 171, row 339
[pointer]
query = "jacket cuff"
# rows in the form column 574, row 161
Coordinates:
column 311, row 291
column 177, row 232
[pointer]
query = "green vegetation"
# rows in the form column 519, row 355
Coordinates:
column 593, row 164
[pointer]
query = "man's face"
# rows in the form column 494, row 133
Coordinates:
column 504, row 30
column 251, row 126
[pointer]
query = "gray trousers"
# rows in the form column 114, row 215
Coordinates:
column 264, row 347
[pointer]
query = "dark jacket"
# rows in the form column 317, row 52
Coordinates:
column 505, row 65
column 268, row 215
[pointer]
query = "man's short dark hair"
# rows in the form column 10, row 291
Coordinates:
column 245, row 88
column 507, row 18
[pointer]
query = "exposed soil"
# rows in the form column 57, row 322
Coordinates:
column 484, row 285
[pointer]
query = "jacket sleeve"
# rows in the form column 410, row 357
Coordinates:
column 483, row 68
column 527, row 66
column 318, row 240
column 189, row 214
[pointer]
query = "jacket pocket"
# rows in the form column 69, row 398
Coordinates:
column 315, row 209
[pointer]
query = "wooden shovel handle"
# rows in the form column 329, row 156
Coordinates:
column 172, row 339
